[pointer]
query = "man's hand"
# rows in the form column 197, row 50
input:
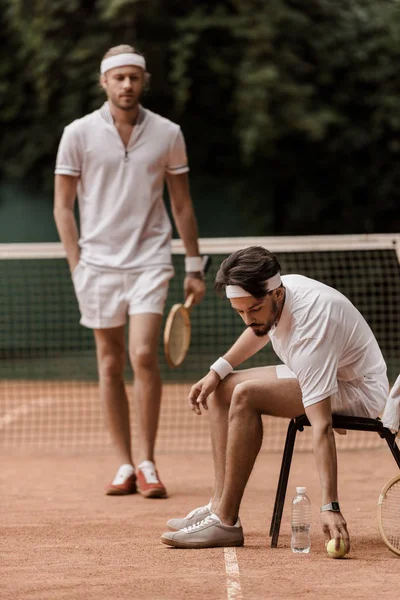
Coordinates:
column 334, row 527
column 73, row 263
column 201, row 390
column 196, row 286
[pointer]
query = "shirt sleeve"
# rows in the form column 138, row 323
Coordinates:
column 177, row 161
column 315, row 364
column 69, row 155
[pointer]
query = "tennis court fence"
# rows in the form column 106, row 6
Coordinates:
column 48, row 376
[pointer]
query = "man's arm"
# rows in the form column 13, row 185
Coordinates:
column 186, row 224
column 183, row 212
column 324, row 447
column 245, row 346
column 64, row 200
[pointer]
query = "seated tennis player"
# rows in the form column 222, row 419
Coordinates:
column 332, row 364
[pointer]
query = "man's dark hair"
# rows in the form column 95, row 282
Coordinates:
column 249, row 268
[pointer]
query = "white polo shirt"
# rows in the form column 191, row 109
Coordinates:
column 123, row 220
column 324, row 339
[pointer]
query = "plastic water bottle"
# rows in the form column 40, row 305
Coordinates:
column 301, row 521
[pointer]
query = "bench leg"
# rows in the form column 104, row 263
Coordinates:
column 282, row 483
column 394, row 449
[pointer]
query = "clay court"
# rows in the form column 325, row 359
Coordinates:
column 62, row 538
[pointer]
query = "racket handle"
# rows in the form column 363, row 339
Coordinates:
column 189, row 301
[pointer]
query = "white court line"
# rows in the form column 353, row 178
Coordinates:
column 15, row 413
column 233, row 588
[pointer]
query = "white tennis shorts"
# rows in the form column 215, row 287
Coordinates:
column 364, row 397
column 106, row 296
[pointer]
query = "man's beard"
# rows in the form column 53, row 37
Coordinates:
column 134, row 101
column 262, row 329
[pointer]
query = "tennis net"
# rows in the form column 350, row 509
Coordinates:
column 48, row 375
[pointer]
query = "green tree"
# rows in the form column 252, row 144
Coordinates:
column 315, row 104
column 290, row 109
column 50, row 71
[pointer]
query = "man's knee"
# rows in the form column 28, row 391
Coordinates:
column 111, row 365
column 144, row 359
column 241, row 399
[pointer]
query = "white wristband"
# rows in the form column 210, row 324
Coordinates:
column 194, row 264
column 222, row 368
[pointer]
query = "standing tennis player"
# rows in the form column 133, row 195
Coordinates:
column 116, row 161
column 332, row 364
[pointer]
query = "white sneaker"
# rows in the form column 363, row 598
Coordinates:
column 123, row 483
column 195, row 516
column 209, row 533
column 148, row 481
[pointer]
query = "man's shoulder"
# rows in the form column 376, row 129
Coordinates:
column 162, row 123
column 309, row 297
column 295, row 281
column 307, row 284
column 83, row 122
column 315, row 303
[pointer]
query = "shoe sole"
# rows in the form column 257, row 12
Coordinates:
column 196, row 546
column 153, row 493
column 112, row 492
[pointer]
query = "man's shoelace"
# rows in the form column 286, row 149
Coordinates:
column 149, row 474
column 122, row 476
column 198, row 511
column 205, row 521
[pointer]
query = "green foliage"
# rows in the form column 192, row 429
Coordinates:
column 315, row 101
column 50, row 77
column 296, row 103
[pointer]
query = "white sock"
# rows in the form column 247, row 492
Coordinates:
column 146, row 464
column 123, row 473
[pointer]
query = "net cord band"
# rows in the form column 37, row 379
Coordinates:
column 235, row 291
column 221, row 367
column 122, row 60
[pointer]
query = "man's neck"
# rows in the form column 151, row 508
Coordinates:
column 281, row 306
column 124, row 117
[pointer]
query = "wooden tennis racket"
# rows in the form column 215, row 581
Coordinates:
column 389, row 514
column 177, row 330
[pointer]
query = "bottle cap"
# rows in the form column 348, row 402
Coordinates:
column 301, row 490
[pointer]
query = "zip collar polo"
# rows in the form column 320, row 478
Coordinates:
column 106, row 115
column 124, row 223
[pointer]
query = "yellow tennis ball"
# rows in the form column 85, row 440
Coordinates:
column 330, row 548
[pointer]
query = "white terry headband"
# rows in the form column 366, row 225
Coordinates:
column 122, row 60
column 235, row 291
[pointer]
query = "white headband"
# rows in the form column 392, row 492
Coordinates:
column 235, row 291
column 122, row 60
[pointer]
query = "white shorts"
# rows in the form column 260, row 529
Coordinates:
column 106, row 296
column 364, row 397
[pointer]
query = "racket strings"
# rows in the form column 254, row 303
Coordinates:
column 177, row 338
column 390, row 514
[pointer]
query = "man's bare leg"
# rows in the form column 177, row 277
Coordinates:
column 219, row 405
column 110, row 349
column 251, row 399
column 144, row 333
column 235, row 425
